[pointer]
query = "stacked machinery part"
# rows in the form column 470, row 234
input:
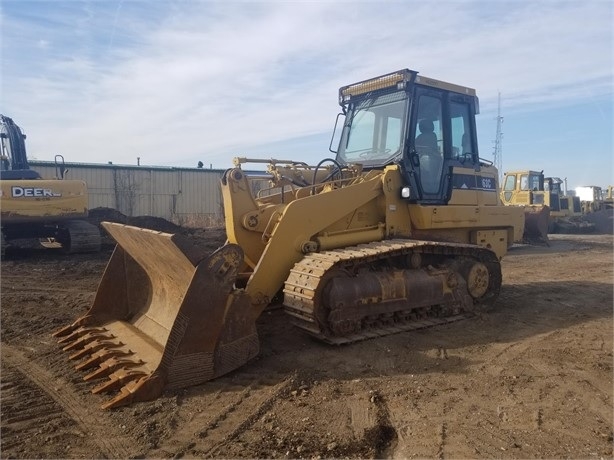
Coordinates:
column 402, row 229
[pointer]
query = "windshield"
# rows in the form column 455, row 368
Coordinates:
column 374, row 130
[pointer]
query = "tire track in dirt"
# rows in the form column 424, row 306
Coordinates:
column 45, row 289
column 48, row 399
column 206, row 433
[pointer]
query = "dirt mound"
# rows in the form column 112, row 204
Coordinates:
column 98, row 215
column 154, row 223
column 208, row 239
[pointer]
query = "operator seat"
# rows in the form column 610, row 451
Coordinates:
column 426, row 141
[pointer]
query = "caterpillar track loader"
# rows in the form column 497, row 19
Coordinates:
column 402, row 229
column 48, row 209
column 526, row 189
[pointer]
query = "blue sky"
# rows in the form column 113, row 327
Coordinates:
column 175, row 82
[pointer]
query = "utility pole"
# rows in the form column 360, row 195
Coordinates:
column 498, row 150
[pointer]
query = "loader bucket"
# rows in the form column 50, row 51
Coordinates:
column 165, row 316
column 536, row 222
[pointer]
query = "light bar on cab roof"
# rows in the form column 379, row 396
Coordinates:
column 395, row 79
column 400, row 80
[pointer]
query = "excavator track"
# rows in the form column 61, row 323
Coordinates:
column 83, row 237
column 381, row 288
column 75, row 236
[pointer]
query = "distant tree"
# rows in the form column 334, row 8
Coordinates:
column 200, row 164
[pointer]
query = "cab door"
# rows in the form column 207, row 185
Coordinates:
column 426, row 142
column 442, row 138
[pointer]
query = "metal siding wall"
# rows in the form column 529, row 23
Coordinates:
column 99, row 186
column 186, row 197
column 99, row 182
column 199, row 203
column 163, row 193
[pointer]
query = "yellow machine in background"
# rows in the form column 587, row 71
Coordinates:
column 32, row 207
column 402, row 229
column 548, row 209
column 591, row 198
column 526, row 190
column 569, row 206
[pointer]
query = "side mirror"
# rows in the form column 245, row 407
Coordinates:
column 335, row 138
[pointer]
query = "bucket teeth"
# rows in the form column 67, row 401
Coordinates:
column 117, row 380
column 84, row 340
column 100, row 357
column 110, row 366
column 80, row 333
column 93, row 347
column 65, row 330
column 127, row 394
column 122, row 399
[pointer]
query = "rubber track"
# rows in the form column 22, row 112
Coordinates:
column 305, row 278
column 84, row 237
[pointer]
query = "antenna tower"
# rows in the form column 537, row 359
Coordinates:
column 498, row 150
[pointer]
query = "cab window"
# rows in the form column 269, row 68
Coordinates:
column 524, row 182
column 361, row 134
column 462, row 143
column 429, row 130
column 535, row 182
column 510, row 183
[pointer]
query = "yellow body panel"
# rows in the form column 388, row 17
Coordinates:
column 33, row 200
column 367, row 208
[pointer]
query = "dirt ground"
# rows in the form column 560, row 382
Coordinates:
column 530, row 379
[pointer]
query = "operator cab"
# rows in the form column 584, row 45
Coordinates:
column 427, row 126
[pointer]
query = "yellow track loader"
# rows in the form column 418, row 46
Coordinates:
column 401, row 229
column 51, row 210
column 527, row 190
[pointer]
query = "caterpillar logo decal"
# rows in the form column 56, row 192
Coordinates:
column 33, row 192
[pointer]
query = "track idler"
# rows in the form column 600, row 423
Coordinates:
column 165, row 316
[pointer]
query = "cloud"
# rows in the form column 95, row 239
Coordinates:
column 177, row 82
